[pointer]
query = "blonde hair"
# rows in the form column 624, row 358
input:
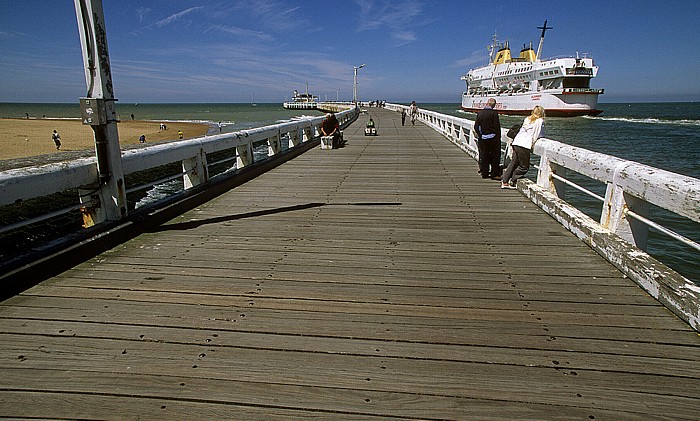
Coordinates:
column 537, row 112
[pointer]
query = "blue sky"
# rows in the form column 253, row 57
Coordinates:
column 243, row 50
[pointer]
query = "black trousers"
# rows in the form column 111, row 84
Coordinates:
column 519, row 166
column 490, row 158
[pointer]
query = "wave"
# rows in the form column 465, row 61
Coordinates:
column 648, row 120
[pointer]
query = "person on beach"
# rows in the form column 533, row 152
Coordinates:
column 488, row 130
column 414, row 112
column 532, row 129
column 220, row 126
column 56, row 139
column 142, row 139
column 403, row 117
column 331, row 127
column 180, row 134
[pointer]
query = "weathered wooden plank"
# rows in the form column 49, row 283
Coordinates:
column 664, row 360
column 425, row 324
column 538, row 385
column 227, row 399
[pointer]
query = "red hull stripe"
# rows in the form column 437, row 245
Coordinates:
column 549, row 112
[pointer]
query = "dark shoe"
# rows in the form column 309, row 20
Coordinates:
column 496, row 177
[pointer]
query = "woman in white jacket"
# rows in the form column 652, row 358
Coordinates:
column 532, row 129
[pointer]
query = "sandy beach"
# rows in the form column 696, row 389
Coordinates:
column 20, row 138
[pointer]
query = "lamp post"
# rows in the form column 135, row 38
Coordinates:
column 354, row 88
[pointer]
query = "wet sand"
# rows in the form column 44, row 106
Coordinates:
column 21, row 138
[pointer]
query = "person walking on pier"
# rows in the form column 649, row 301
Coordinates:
column 532, row 129
column 403, row 117
column 488, row 130
column 56, row 139
column 414, row 112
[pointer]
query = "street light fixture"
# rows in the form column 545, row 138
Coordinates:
column 354, row 88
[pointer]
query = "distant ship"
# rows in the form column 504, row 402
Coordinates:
column 560, row 85
column 305, row 101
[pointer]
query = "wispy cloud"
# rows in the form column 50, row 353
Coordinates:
column 175, row 16
column 273, row 14
column 245, row 33
column 397, row 17
column 476, row 57
column 142, row 12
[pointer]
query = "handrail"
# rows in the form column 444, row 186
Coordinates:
column 22, row 184
column 621, row 234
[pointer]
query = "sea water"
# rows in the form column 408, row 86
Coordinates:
column 662, row 135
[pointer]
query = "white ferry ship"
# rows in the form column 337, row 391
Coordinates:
column 305, row 101
column 560, row 85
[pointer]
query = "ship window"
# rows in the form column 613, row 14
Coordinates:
column 577, row 82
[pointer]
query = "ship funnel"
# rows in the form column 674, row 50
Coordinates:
column 527, row 53
column 503, row 54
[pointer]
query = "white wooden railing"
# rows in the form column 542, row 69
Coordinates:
column 22, row 184
column 621, row 233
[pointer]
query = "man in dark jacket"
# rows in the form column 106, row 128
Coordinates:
column 488, row 130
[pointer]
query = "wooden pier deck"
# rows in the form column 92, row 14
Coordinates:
column 382, row 280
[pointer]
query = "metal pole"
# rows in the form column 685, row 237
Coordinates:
column 354, row 86
column 98, row 111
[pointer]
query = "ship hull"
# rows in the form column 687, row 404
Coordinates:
column 558, row 104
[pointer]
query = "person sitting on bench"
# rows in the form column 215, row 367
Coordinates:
column 331, row 127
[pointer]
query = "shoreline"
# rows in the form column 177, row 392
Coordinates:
column 25, row 138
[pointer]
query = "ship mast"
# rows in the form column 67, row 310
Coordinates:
column 492, row 47
column 539, row 48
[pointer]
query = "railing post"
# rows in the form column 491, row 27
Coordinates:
column 617, row 204
column 545, row 176
column 244, row 155
column 273, row 145
column 307, row 133
column 473, row 140
column 195, row 170
column 295, row 137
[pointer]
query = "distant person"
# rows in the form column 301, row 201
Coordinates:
column 132, row 117
column 27, row 114
column 180, row 134
column 162, row 127
column 220, row 126
column 331, row 127
column 370, row 123
column 488, row 130
column 403, row 116
column 142, row 139
column 414, row 112
column 532, row 129
column 56, row 139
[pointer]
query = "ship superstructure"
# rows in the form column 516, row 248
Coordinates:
column 305, row 101
column 560, row 85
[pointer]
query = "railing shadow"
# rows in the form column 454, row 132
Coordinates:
column 183, row 226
